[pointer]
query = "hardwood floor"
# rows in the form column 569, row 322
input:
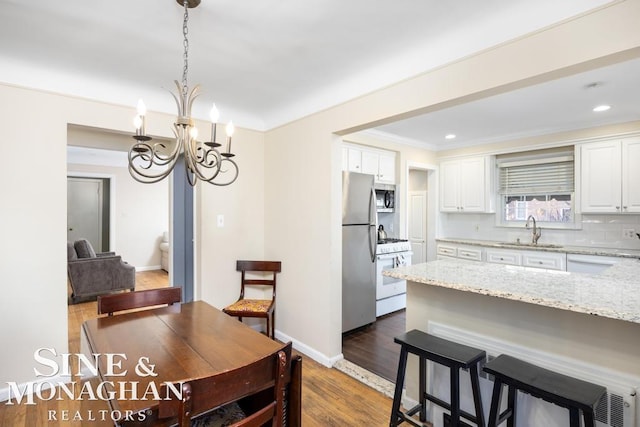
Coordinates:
column 372, row 347
column 329, row 397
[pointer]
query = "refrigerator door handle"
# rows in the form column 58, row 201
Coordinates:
column 373, row 242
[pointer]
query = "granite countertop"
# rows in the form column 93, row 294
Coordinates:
column 614, row 293
column 582, row 250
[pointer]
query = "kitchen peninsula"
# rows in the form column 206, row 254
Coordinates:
column 584, row 325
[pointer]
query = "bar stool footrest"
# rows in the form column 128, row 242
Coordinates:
column 447, row 406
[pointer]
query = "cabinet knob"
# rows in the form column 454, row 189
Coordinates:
column 618, row 207
column 624, row 207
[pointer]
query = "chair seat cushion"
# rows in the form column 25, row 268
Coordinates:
column 223, row 416
column 250, row 305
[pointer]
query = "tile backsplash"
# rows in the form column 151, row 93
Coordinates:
column 603, row 231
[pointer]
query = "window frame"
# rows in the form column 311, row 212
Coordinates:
column 537, row 157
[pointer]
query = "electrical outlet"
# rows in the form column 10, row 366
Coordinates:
column 629, row 233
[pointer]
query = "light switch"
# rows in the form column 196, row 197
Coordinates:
column 220, row 220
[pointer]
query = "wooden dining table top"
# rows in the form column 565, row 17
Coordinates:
column 181, row 342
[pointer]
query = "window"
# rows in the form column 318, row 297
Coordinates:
column 538, row 184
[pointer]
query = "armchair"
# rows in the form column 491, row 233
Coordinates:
column 92, row 274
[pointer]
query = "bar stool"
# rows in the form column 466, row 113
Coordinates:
column 567, row 392
column 447, row 353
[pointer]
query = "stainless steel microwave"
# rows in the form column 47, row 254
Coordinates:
column 385, row 198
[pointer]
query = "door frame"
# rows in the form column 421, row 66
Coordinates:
column 112, row 200
column 432, row 194
column 424, row 193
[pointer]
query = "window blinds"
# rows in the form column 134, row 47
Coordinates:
column 543, row 175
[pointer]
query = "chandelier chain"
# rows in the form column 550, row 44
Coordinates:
column 185, row 32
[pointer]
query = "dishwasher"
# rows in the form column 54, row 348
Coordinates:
column 593, row 264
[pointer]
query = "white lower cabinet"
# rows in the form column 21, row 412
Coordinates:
column 520, row 257
column 473, row 253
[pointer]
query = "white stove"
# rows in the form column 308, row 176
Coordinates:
column 391, row 292
column 389, row 246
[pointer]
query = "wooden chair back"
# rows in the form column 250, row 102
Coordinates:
column 244, row 267
column 201, row 395
column 138, row 299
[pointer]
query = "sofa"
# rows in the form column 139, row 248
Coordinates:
column 164, row 252
column 92, row 274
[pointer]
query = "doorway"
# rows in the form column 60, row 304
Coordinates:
column 417, row 214
column 88, row 211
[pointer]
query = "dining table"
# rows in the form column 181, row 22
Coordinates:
column 132, row 354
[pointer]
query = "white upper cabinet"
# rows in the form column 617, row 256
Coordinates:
column 379, row 163
column 609, row 176
column 354, row 160
column 466, row 185
column 631, row 175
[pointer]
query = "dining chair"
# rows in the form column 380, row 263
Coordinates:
column 261, row 308
column 138, row 299
column 191, row 401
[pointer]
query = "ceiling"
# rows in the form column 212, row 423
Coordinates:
column 556, row 106
column 269, row 62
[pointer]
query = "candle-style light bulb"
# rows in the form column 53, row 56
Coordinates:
column 138, row 121
column 193, row 132
column 142, row 109
column 230, row 130
column 215, row 114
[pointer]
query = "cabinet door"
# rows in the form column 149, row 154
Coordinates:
column 473, row 185
column 474, row 253
column 503, row 257
column 387, row 169
column 600, row 178
column 547, row 260
column 449, row 251
column 370, row 163
column 355, row 160
column 631, row 175
column 449, row 186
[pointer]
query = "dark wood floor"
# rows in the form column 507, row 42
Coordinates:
column 372, row 347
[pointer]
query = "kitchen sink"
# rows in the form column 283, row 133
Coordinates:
column 530, row 245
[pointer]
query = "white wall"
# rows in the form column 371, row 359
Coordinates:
column 33, row 306
column 242, row 237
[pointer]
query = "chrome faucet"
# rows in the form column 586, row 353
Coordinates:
column 536, row 232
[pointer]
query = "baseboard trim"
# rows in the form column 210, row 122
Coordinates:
column 303, row 348
column 5, row 392
column 149, row 268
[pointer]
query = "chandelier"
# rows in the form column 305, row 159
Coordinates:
column 207, row 161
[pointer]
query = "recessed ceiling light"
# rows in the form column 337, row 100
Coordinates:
column 450, row 136
column 601, row 108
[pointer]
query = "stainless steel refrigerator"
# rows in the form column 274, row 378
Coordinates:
column 359, row 240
